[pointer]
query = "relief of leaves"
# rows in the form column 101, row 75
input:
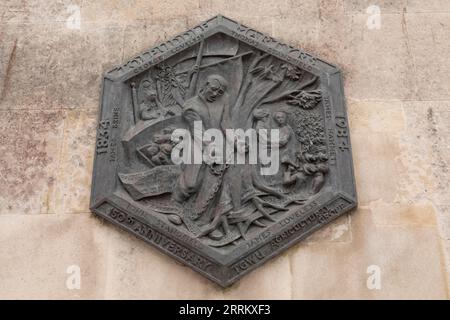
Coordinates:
column 309, row 130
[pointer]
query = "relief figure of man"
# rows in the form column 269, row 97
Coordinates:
column 211, row 107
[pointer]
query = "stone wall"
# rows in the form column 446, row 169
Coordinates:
column 397, row 84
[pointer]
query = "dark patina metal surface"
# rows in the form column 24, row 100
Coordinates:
column 222, row 220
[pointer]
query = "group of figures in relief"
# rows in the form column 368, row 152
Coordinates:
column 226, row 84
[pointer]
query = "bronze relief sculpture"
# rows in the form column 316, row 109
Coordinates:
column 215, row 212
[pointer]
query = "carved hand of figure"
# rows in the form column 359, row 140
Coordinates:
column 309, row 168
column 291, row 166
column 305, row 99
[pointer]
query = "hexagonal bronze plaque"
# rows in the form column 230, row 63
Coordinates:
column 223, row 219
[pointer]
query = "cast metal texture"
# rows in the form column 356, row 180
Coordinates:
column 222, row 220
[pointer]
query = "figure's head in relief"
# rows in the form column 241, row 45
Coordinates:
column 214, row 87
column 280, row 118
column 148, row 92
column 261, row 113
